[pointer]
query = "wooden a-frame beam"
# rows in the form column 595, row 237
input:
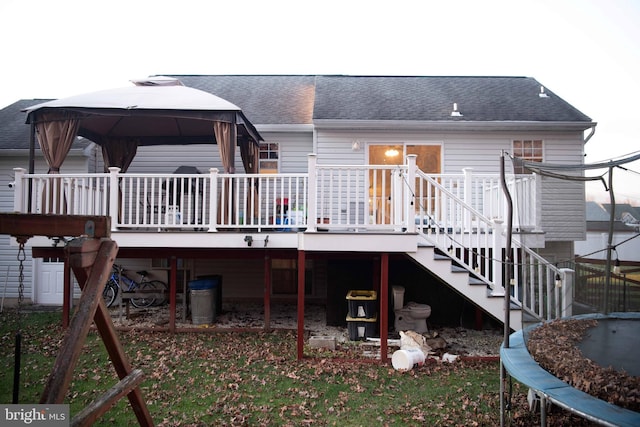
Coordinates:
column 18, row 224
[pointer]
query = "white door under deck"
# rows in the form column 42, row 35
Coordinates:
column 49, row 281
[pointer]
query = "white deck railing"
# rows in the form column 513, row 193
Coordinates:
column 460, row 214
column 354, row 197
column 483, row 192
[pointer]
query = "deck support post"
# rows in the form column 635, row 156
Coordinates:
column 173, row 289
column 301, row 272
column 267, row 291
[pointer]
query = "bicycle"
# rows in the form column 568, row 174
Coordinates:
column 118, row 280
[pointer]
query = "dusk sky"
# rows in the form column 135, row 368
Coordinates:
column 586, row 51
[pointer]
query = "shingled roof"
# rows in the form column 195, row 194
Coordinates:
column 281, row 99
column 289, row 99
column 14, row 133
column 311, row 99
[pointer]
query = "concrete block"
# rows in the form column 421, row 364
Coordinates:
column 323, row 342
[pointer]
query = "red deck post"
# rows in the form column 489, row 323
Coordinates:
column 173, row 285
column 301, row 263
column 267, row 291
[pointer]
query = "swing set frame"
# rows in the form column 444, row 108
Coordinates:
column 90, row 255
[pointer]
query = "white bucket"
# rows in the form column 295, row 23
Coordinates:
column 405, row 360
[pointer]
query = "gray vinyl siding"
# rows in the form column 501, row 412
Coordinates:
column 243, row 279
column 557, row 252
column 561, row 202
column 167, row 158
column 295, row 148
column 8, row 253
column 240, row 278
column 335, row 149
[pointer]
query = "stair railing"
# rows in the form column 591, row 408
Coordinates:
column 456, row 228
column 476, row 243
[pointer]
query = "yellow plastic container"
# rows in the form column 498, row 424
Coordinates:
column 358, row 294
column 362, row 303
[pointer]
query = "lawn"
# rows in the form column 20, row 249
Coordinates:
column 202, row 379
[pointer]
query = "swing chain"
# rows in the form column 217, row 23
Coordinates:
column 16, row 366
column 21, row 258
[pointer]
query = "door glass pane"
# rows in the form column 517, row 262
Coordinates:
column 380, row 180
column 428, row 159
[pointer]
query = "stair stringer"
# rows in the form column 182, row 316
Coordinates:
column 461, row 281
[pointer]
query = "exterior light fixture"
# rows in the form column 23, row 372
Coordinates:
column 558, row 281
column 356, row 145
column 542, row 93
column 391, row 152
column 455, row 112
column 616, row 266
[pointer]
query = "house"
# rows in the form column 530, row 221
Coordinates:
column 625, row 229
column 367, row 181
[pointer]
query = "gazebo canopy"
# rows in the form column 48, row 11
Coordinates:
column 156, row 111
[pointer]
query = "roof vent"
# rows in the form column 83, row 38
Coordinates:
column 157, row 81
column 542, row 93
column 455, row 112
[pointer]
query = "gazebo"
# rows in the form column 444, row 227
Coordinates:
column 154, row 111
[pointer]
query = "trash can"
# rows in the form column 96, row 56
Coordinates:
column 202, row 301
column 216, row 282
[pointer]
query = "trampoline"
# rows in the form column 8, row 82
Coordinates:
column 602, row 344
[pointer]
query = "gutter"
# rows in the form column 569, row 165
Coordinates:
column 452, row 125
column 299, row 127
column 593, row 130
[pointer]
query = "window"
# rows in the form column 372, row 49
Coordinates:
column 527, row 149
column 269, row 157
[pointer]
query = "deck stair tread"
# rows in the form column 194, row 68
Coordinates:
column 475, row 281
column 476, row 289
column 458, row 269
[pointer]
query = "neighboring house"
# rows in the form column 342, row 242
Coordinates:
column 625, row 228
column 352, row 203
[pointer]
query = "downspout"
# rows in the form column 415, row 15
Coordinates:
column 593, row 130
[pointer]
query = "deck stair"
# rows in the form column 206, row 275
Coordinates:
column 466, row 283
